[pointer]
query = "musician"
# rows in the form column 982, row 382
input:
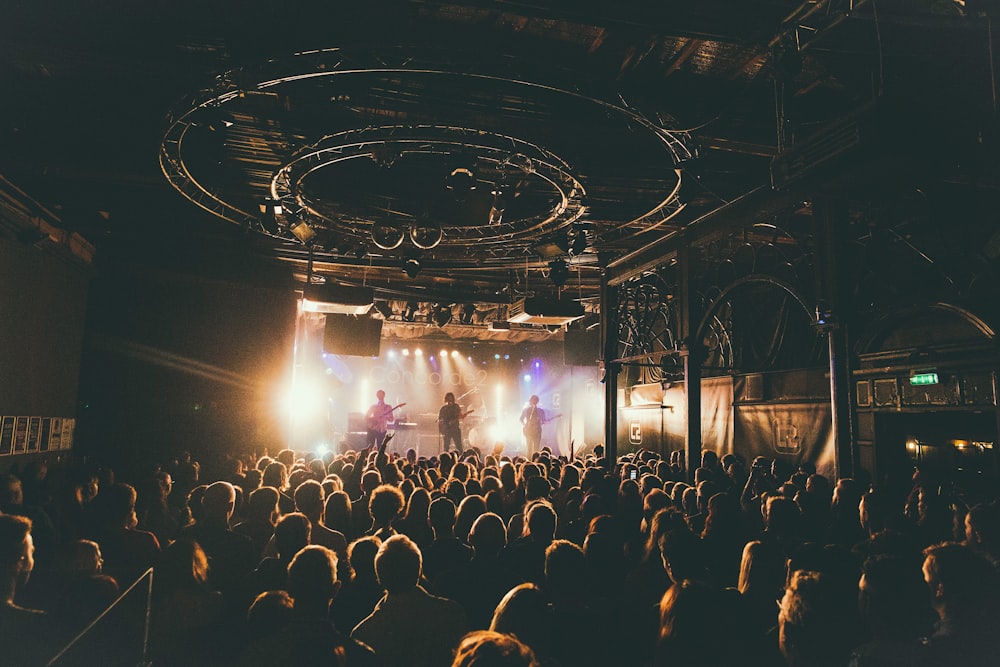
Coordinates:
column 532, row 418
column 377, row 419
column 450, row 422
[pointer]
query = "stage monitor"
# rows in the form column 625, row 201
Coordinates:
column 352, row 336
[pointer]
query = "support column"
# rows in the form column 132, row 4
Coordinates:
column 830, row 212
column 609, row 352
column 692, row 363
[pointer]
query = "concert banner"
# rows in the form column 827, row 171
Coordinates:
column 791, row 433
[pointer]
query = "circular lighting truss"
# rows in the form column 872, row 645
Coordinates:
column 301, row 131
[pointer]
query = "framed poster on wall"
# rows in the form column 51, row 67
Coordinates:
column 20, row 434
column 6, row 435
column 34, row 432
column 68, row 425
column 55, row 435
column 43, row 438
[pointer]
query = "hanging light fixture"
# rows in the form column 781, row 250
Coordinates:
column 387, row 235
column 426, row 233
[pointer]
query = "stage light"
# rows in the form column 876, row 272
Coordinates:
column 303, row 232
column 461, row 181
column 418, row 352
column 410, row 313
column 392, row 354
column 442, row 315
column 558, row 272
column 527, row 377
column 506, row 356
column 426, row 233
column 499, row 205
column 454, row 354
column 387, row 235
column 321, row 450
column 406, row 352
column 444, row 353
column 412, row 267
column 497, row 357
column 578, row 244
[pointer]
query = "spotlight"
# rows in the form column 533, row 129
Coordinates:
column 499, row 205
column 578, row 244
column 442, row 316
column 426, row 233
column 360, row 251
column 303, row 232
column 454, row 354
column 443, row 354
column 558, row 272
column 412, row 267
column 411, row 311
column 270, row 209
column 461, row 181
column 385, row 155
column 387, row 235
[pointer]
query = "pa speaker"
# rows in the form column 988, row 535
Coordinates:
column 581, row 347
column 352, row 336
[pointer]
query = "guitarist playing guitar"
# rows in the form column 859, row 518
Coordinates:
column 532, row 418
column 450, row 418
column 377, row 418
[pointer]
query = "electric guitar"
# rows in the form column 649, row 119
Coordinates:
column 445, row 425
column 373, row 420
column 529, row 425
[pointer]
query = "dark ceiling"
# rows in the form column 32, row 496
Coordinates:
column 532, row 136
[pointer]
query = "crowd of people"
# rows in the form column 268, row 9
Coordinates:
column 377, row 558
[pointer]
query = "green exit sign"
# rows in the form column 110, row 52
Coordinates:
column 924, row 378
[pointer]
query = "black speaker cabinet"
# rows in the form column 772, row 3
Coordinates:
column 352, row 336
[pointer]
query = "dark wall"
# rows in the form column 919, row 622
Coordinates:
column 42, row 311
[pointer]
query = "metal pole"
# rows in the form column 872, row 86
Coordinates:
column 609, row 351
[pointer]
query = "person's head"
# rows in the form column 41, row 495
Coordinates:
column 470, row 509
column 309, row 497
column 263, row 505
column 292, row 532
column 117, row 505
column 485, row 648
column 17, row 552
column 398, row 564
column 524, row 613
column 533, row 400
column 370, row 480
column 275, row 475
column 782, row 516
column 810, row 623
column 385, row 504
column 380, row 396
column 892, row 599
column 270, row 612
column 691, row 614
column 361, row 554
column 441, row 515
column 13, row 493
column 565, row 568
column 960, row 581
column 982, row 528
column 182, row 566
column 82, row 557
column 312, row 578
column 541, row 523
column 219, row 501
column 337, row 511
column 449, row 397
column 488, row 535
